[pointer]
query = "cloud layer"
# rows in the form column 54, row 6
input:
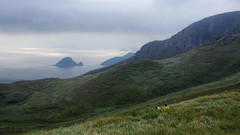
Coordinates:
column 144, row 16
column 99, row 24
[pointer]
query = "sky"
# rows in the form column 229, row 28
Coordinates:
column 44, row 31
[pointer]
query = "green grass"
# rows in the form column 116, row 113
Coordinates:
column 145, row 79
column 214, row 114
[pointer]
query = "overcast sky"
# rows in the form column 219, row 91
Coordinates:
column 63, row 25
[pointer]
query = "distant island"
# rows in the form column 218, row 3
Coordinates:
column 116, row 59
column 68, row 62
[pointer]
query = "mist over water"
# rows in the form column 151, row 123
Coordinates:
column 36, row 63
column 17, row 74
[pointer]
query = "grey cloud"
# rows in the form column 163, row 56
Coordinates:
column 92, row 16
column 58, row 16
column 183, row 12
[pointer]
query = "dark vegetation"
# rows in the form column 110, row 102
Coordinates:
column 146, row 79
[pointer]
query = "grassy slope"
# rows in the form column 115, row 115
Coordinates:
column 213, row 114
column 52, row 100
column 40, row 100
column 190, row 93
column 141, row 80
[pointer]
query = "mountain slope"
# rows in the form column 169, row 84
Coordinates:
column 213, row 114
column 54, row 100
column 116, row 59
column 192, row 36
column 144, row 79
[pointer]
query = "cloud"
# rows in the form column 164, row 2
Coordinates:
column 129, row 16
column 72, row 15
column 113, row 24
column 177, row 14
column 206, row 7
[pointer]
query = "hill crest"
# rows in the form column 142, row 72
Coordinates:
column 192, row 36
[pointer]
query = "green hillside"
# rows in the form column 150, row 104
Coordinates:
column 213, row 114
column 190, row 37
column 145, row 79
column 48, row 101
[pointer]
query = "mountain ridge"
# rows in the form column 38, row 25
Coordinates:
column 192, row 36
column 118, row 59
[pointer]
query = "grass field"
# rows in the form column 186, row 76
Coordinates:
column 213, row 114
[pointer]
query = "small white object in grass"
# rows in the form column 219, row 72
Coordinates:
column 157, row 107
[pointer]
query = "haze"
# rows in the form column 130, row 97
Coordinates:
column 39, row 33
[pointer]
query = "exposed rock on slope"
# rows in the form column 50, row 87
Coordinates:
column 192, row 36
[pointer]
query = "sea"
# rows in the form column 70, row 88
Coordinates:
column 38, row 63
column 41, row 72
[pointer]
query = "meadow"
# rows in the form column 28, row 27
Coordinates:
column 212, row 114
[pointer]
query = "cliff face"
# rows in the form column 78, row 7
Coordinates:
column 192, row 36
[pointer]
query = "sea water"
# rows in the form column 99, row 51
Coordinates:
column 8, row 75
